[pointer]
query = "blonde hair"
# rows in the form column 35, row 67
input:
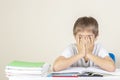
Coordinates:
column 84, row 22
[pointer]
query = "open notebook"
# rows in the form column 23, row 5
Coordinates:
column 82, row 70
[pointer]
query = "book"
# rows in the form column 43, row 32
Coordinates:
column 26, row 64
column 26, row 68
column 83, row 69
column 83, row 72
column 67, row 74
column 90, row 74
column 23, row 65
column 23, row 72
column 75, row 74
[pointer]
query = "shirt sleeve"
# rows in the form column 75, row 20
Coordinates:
column 68, row 52
column 102, row 52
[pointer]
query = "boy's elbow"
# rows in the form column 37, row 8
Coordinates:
column 56, row 68
column 58, row 64
column 112, row 68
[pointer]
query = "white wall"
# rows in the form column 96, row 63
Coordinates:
column 39, row 30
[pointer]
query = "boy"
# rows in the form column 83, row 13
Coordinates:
column 85, row 52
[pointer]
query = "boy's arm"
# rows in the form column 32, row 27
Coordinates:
column 62, row 63
column 105, row 63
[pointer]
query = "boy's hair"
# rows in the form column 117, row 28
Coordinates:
column 84, row 22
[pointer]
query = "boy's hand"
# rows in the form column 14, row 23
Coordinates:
column 89, row 45
column 81, row 45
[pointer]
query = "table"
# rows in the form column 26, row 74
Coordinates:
column 106, row 77
column 79, row 78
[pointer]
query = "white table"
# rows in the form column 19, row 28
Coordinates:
column 107, row 77
column 79, row 78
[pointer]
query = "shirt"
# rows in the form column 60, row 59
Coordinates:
column 72, row 50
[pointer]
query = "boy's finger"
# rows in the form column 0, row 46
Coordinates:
column 88, row 39
column 92, row 38
column 78, row 40
column 83, row 39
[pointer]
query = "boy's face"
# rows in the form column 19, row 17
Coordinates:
column 84, row 32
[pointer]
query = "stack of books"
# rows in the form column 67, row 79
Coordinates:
column 23, row 68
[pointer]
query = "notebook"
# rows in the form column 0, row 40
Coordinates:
column 26, row 68
column 75, row 74
column 83, row 72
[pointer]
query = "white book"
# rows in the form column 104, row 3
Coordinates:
column 23, row 68
column 23, row 72
column 89, row 69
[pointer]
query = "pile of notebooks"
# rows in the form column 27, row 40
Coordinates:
column 23, row 68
